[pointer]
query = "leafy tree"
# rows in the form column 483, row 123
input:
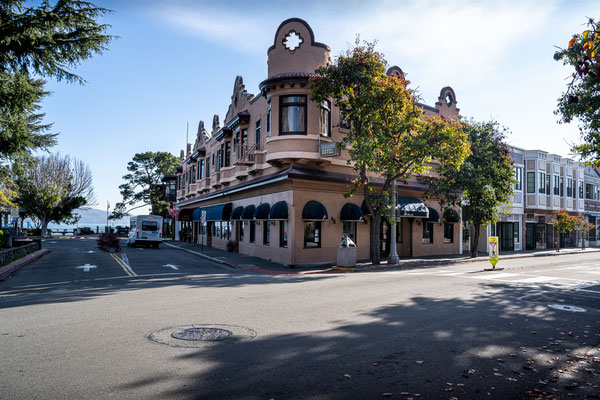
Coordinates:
column 581, row 100
column 46, row 41
column 51, row 187
column 389, row 137
column 564, row 223
column 584, row 226
column 143, row 182
column 483, row 183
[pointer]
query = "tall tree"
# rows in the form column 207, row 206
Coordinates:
column 389, row 137
column 45, row 41
column 143, row 185
column 584, row 226
column 581, row 100
column 51, row 187
column 483, row 183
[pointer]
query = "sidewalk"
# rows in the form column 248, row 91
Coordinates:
column 248, row 263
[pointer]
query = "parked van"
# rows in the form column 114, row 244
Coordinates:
column 145, row 229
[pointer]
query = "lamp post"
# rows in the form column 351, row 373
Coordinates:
column 393, row 258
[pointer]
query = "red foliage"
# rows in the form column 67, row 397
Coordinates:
column 107, row 240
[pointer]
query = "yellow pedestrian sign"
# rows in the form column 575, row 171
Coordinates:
column 493, row 250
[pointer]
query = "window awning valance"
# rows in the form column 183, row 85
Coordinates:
column 220, row 212
column 279, row 211
column 248, row 212
column 351, row 212
column 197, row 214
column 434, row 216
column 185, row 215
column 262, row 211
column 314, row 211
column 237, row 212
column 451, row 216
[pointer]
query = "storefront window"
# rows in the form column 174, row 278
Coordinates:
column 540, row 236
column 427, row 232
column 266, row 233
column 349, row 229
column 448, row 233
column 282, row 233
column 242, row 226
column 252, row 231
column 292, row 115
column 312, row 234
column 325, row 119
column 516, row 232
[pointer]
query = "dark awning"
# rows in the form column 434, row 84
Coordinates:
column 248, row 212
column 314, row 211
column 351, row 212
column 411, row 207
column 197, row 214
column 279, row 211
column 434, row 216
column 220, row 212
column 237, row 212
column 185, row 215
column 262, row 211
column 451, row 216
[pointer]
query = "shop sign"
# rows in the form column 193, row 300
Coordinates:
column 329, row 149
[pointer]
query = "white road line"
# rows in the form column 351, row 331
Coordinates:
column 536, row 279
column 492, row 276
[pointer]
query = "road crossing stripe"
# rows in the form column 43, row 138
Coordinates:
column 125, row 267
column 536, row 279
column 492, row 276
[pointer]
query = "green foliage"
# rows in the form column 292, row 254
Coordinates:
column 2, row 239
column 581, row 100
column 564, row 222
column 485, row 180
column 389, row 136
column 144, row 182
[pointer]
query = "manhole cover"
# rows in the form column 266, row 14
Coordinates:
column 205, row 334
column 564, row 307
column 201, row 335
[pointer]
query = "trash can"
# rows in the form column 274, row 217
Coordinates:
column 346, row 253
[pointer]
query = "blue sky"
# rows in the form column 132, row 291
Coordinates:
column 175, row 62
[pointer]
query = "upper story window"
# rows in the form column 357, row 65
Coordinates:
column 257, row 137
column 531, row 182
column 556, row 185
column 201, row 169
column 325, row 119
column 589, row 190
column 269, row 120
column 207, row 164
column 292, row 115
column 570, row 191
column 581, row 189
column 542, row 183
column 547, row 183
column 344, row 122
column 518, row 178
column 227, row 154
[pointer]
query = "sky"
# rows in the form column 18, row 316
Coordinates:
column 175, row 63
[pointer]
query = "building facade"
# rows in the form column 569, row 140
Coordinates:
column 268, row 180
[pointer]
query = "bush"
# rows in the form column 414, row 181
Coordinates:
column 108, row 240
column 2, row 239
column 230, row 246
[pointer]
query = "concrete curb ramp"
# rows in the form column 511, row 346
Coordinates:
column 15, row 265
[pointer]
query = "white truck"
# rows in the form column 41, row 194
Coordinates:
column 145, row 229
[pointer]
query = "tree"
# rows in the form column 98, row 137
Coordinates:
column 46, row 41
column 483, row 183
column 51, row 187
column 584, row 226
column 581, row 100
column 389, row 137
column 564, row 223
column 144, row 182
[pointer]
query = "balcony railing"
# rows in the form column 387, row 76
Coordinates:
column 245, row 154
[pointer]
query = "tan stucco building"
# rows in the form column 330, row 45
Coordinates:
column 268, row 180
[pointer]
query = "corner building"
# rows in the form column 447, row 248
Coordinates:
column 268, row 180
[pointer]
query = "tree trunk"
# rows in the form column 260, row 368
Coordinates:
column 44, row 227
column 475, row 244
column 582, row 241
column 375, row 243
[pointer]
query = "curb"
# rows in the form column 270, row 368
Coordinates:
column 215, row 260
column 15, row 265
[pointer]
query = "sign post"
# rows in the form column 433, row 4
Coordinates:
column 203, row 230
column 493, row 250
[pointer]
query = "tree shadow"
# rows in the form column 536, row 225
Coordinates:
column 489, row 345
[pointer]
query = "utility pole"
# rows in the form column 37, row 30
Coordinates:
column 393, row 258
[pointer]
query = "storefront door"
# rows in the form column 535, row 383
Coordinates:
column 507, row 236
column 530, row 236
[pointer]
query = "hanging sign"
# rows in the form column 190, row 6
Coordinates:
column 493, row 252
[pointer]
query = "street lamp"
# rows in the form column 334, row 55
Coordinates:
column 393, row 258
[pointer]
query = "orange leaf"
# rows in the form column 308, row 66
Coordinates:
column 586, row 33
column 572, row 42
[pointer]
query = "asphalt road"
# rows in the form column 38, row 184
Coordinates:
column 443, row 332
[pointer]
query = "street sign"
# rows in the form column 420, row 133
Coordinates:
column 203, row 217
column 493, row 252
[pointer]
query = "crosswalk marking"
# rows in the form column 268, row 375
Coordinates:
column 536, row 279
